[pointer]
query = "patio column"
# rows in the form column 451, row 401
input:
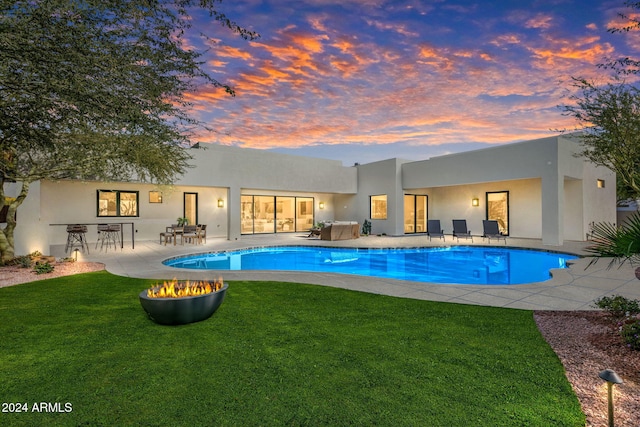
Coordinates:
column 552, row 209
column 233, row 213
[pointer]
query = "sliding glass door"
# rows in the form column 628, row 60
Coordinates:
column 275, row 214
column 415, row 213
column 304, row 213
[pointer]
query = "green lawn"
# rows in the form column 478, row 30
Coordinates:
column 274, row 354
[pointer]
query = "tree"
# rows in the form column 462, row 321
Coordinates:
column 625, row 65
column 95, row 90
column 609, row 123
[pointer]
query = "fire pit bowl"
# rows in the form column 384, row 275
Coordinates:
column 172, row 310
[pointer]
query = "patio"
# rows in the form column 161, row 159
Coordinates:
column 570, row 289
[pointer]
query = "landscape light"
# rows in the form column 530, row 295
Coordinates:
column 611, row 378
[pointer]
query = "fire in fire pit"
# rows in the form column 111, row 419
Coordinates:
column 175, row 289
column 178, row 302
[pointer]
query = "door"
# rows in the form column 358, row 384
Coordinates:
column 498, row 209
column 415, row 213
column 190, row 210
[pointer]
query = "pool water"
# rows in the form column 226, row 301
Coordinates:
column 474, row 265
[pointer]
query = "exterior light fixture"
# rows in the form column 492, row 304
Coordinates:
column 220, row 203
column 475, row 202
column 321, row 205
column 611, row 378
column 75, row 253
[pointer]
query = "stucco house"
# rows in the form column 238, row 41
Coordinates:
column 535, row 189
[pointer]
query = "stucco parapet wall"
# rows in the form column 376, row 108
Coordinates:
column 551, row 156
column 225, row 166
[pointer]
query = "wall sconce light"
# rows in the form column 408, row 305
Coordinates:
column 220, row 203
column 611, row 378
column 475, row 202
column 321, row 205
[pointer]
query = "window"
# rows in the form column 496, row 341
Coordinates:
column 117, row 203
column 379, row 207
column 155, row 197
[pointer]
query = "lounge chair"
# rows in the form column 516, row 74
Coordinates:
column 492, row 231
column 434, row 229
column 460, row 229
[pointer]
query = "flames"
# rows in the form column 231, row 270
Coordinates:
column 177, row 289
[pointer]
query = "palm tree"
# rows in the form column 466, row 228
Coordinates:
column 620, row 244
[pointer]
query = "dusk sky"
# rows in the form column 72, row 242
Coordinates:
column 367, row 80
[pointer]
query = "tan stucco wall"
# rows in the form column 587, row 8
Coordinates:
column 79, row 206
column 454, row 202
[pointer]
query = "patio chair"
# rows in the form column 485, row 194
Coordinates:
column 192, row 234
column 492, row 231
column 172, row 233
column 460, row 230
column 434, row 229
column 203, row 232
column 168, row 234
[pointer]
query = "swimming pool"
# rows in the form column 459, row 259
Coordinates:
column 473, row 265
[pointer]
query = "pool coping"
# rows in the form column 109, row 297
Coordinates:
column 573, row 288
column 368, row 249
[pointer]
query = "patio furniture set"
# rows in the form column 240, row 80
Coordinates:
column 108, row 234
column 194, row 234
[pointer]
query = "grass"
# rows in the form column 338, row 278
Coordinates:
column 274, row 354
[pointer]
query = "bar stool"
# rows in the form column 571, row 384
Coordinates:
column 107, row 234
column 76, row 236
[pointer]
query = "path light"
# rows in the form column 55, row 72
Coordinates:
column 611, row 378
column 75, row 253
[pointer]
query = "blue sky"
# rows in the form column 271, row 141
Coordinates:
column 367, row 80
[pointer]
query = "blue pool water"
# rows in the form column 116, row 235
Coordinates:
column 475, row 265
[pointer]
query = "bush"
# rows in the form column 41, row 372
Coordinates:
column 630, row 331
column 23, row 261
column 618, row 306
column 41, row 268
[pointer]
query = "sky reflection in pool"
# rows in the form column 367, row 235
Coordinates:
column 475, row 265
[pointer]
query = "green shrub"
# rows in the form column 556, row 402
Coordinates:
column 23, row 261
column 43, row 267
column 618, row 306
column 630, row 331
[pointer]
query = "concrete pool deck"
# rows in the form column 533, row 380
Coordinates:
column 574, row 288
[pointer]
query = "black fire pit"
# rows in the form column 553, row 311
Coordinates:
column 181, row 310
